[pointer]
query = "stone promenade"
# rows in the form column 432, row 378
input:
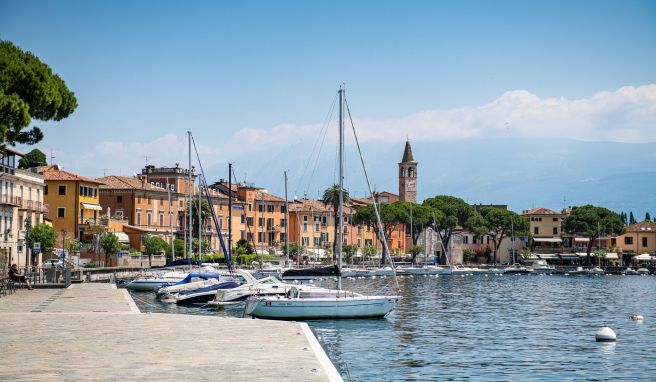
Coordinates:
column 94, row 332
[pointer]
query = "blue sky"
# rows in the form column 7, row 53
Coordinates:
column 266, row 72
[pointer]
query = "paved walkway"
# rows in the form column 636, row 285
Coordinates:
column 94, row 332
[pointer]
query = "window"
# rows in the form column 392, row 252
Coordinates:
column 465, row 239
column 317, row 242
column 137, row 220
column 304, row 226
column 270, row 208
column 536, row 230
column 81, row 215
column 305, row 218
column 260, row 208
column 473, row 239
column 149, row 217
column 305, row 241
column 628, row 240
column 644, row 242
column 555, row 219
column 119, row 214
column 95, row 192
column 119, row 199
column 62, row 190
column 260, row 236
column 359, row 243
column 555, row 230
column 161, row 218
column 260, row 221
column 249, row 221
column 61, row 212
column 282, row 209
column 282, row 222
column 45, row 190
column 316, row 226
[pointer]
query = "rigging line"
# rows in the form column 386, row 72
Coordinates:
column 323, row 127
column 323, row 139
column 366, row 176
column 217, row 226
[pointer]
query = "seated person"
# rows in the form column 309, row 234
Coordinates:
column 14, row 275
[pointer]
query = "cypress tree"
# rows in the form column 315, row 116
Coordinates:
column 631, row 218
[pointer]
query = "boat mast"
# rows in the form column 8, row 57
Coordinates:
column 189, row 186
column 168, row 191
column 341, row 186
column 512, row 232
column 200, row 220
column 286, row 222
column 230, row 209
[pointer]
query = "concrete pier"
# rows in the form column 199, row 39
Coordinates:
column 94, row 332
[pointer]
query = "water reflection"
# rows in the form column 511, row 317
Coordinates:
column 491, row 328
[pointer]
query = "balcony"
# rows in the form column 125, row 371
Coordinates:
column 33, row 205
column 9, row 200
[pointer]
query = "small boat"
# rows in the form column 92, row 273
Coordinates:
column 192, row 281
column 462, row 270
column 589, row 271
column 540, row 267
column 311, row 273
column 302, row 302
column 386, row 271
column 153, row 282
column 630, row 271
column 203, row 295
column 643, row 271
column 261, row 287
column 516, row 269
column 596, row 271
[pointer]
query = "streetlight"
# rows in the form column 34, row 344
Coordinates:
column 28, row 225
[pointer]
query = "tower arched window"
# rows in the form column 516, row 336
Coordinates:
column 411, row 172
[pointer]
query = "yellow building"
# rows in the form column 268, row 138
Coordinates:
column 639, row 238
column 74, row 204
column 546, row 230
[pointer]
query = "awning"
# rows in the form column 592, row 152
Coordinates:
column 122, row 237
column 582, row 254
column 547, row 240
column 91, row 206
column 643, row 257
column 546, row 256
column 612, row 256
column 569, row 256
column 582, row 239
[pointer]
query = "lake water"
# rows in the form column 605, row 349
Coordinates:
column 498, row 328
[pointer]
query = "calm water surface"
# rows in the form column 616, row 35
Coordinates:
column 490, row 328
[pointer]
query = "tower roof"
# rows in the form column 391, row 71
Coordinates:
column 407, row 153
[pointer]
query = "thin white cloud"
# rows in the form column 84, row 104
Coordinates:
column 623, row 115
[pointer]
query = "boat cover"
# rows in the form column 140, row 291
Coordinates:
column 223, row 285
column 329, row 271
column 187, row 280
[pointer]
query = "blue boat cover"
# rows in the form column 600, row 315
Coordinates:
column 223, row 285
column 187, row 280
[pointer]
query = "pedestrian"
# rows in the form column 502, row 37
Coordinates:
column 16, row 277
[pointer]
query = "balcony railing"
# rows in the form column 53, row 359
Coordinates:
column 10, row 200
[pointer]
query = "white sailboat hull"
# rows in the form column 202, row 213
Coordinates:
column 151, row 284
column 321, row 308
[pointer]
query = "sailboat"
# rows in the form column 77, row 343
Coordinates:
column 308, row 302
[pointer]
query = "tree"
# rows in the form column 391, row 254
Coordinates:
column 592, row 221
column 29, row 89
column 391, row 215
column 647, row 216
column 243, row 246
column 468, row 255
column 415, row 250
column 453, row 212
column 350, row 251
column 291, row 250
column 631, row 218
column 178, row 246
column 331, row 198
column 34, row 158
column 154, row 245
column 43, row 234
column 368, row 250
column 205, row 212
column 72, row 246
column 110, row 245
column 419, row 216
column 501, row 223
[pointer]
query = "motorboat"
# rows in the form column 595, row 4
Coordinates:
column 302, row 302
column 630, row 271
column 643, row 271
column 192, row 281
column 203, row 295
column 516, row 269
column 262, row 287
column 540, row 267
column 462, row 270
column 154, row 282
column 596, row 271
column 584, row 271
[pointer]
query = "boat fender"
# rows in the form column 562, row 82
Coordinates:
column 605, row 334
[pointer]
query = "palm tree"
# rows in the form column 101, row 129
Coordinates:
column 331, row 198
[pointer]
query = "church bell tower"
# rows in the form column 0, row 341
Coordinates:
column 408, row 176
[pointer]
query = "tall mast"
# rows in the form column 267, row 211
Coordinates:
column 230, row 209
column 512, row 232
column 263, row 220
column 189, row 186
column 200, row 220
column 171, row 239
column 341, row 185
column 286, row 220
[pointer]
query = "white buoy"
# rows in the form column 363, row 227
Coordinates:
column 605, row 334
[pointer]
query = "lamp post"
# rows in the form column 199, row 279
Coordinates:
column 28, row 225
column 63, row 233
